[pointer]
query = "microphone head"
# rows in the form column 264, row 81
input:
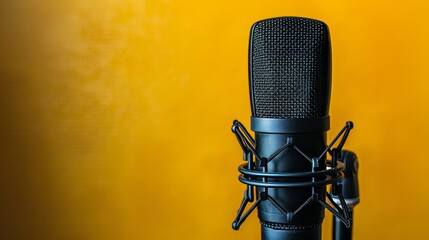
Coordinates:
column 290, row 68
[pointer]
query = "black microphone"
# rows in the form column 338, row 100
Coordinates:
column 290, row 82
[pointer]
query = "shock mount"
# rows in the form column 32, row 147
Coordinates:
column 252, row 177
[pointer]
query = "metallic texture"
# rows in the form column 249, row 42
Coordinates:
column 290, row 68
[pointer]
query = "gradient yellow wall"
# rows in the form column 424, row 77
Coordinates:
column 115, row 115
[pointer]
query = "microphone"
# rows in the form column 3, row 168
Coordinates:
column 287, row 170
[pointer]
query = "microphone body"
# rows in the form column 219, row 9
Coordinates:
column 306, row 224
column 287, row 167
column 290, row 79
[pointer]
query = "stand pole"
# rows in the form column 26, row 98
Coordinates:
column 350, row 191
column 340, row 231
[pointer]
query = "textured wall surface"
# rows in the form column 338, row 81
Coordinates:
column 115, row 115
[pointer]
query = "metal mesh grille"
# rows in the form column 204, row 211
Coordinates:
column 290, row 68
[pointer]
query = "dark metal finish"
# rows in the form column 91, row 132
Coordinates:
column 269, row 233
column 350, row 182
column 289, row 125
column 340, row 231
column 350, row 192
column 310, row 182
column 328, row 172
column 290, row 194
column 286, row 169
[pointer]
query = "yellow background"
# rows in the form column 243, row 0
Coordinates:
column 115, row 115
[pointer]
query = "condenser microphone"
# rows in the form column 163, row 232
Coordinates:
column 287, row 170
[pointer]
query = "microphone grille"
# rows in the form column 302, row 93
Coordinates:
column 290, row 68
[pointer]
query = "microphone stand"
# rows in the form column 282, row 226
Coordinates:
column 350, row 192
